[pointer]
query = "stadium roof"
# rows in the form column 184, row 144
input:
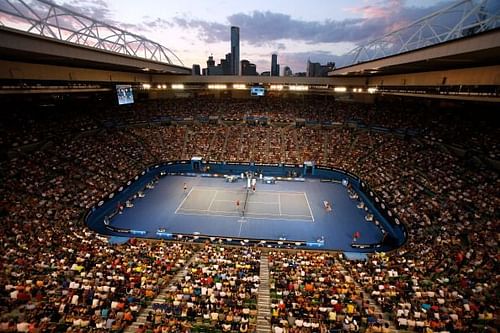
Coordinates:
column 461, row 19
column 473, row 51
column 46, row 19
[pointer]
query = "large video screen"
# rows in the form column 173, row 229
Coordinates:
column 257, row 91
column 125, row 94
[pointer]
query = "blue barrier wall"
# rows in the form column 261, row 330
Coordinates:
column 396, row 231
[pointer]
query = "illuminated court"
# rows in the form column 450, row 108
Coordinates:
column 287, row 210
column 271, row 205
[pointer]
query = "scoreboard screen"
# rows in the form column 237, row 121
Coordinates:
column 125, row 94
column 257, row 91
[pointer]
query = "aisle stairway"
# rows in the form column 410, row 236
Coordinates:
column 372, row 303
column 223, row 152
column 141, row 319
column 263, row 300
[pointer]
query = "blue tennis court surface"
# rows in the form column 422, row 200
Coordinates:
column 285, row 210
column 265, row 204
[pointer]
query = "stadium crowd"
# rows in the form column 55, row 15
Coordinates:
column 311, row 292
column 432, row 171
column 219, row 290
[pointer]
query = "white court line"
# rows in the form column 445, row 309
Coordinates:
column 222, row 200
column 207, row 212
column 279, row 202
column 271, row 214
column 182, row 202
column 241, row 225
column 283, row 192
column 193, row 210
column 217, row 188
column 231, row 213
column 213, row 199
column 207, row 188
column 249, row 217
column 308, row 205
column 263, row 203
column 250, row 201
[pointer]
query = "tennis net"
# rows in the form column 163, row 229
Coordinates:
column 245, row 203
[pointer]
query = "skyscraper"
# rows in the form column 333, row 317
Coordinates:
column 235, row 50
column 210, row 61
column 315, row 69
column 247, row 68
column 227, row 64
column 196, row 70
column 287, row 71
column 275, row 68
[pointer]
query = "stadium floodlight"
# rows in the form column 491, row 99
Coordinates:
column 178, row 86
column 298, row 88
column 146, row 86
column 276, row 87
column 217, row 86
column 158, row 86
column 340, row 89
column 239, row 86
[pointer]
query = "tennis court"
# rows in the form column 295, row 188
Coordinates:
column 269, row 205
column 286, row 210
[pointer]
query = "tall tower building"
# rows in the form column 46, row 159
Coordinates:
column 287, row 71
column 235, row 50
column 275, row 68
column 247, row 68
column 210, row 61
column 196, row 70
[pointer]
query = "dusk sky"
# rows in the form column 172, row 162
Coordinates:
column 297, row 30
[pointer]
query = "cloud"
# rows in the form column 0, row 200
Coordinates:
column 276, row 30
column 157, row 23
column 210, row 32
column 261, row 27
column 99, row 10
column 95, row 9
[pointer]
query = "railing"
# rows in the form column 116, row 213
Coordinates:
column 455, row 90
column 460, row 19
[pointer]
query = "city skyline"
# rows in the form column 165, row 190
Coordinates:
column 297, row 31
